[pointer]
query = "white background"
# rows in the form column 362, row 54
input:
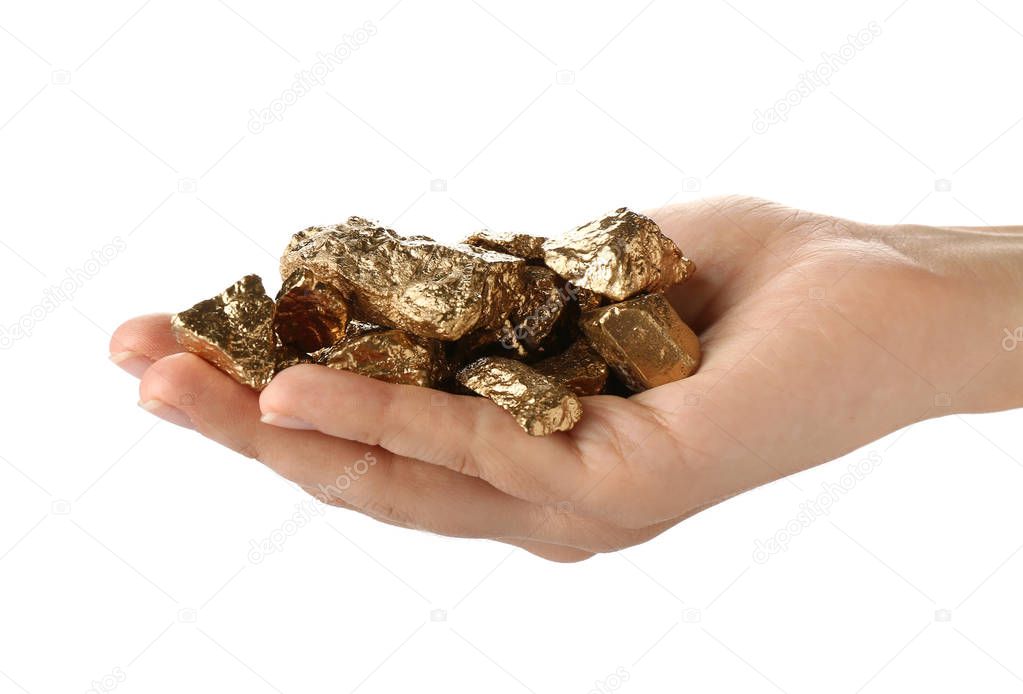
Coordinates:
column 124, row 542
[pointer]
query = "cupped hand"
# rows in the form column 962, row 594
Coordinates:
column 819, row 335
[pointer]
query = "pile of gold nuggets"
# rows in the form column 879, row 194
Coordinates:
column 531, row 323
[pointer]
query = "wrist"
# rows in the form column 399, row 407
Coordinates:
column 975, row 310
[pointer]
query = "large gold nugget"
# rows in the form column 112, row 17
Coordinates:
column 540, row 404
column 618, row 256
column 413, row 283
column 523, row 246
column 643, row 340
column 234, row 331
column 310, row 314
column 579, row 367
column 394, row 356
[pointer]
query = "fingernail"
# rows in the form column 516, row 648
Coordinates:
column 132, row 362
column 167, row 413
column 285, row 421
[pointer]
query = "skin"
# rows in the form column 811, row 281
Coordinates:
column 819, row 335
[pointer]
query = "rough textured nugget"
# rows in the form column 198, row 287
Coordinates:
column 389, row 355
column 579, row 368
column 525, row 246
column 618, row 256
column 233, row 330
column 643, row 340
column 311, row 314
column 413, row 283
column 540, row 404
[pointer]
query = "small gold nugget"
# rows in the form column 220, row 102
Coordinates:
column 643, row 340
column 540, row 404
column 525, row 246
column 233, row 330
column 412, row 283
column 579, row 367
column 618, row 256
column 310, row 314
column 394, row 356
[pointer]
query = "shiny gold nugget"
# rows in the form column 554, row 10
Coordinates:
column 540, row 404
column 579, row 368
column 643, row 340
column 525, row 246
column 394, row 356
column 411, row 283
column 618, row 256
column 311, row 314
column 234, row 331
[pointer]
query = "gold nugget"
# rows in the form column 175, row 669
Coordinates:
column 412, row 283
column 618, row 256
column 310, row 314
column 234, row 331
column 523, row 246
column 643, row 340
column 540, row 404
column 394, row 356
column 579, row 368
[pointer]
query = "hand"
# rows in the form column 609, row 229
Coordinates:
column 819, row 335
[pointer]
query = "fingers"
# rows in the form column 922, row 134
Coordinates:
column 373, row 480
column 139, row 342
column 558, row 553
column 619, row 445
column 469, row 435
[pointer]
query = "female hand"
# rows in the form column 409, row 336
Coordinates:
column 819, row 335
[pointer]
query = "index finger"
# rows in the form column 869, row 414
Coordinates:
column 469, row 435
